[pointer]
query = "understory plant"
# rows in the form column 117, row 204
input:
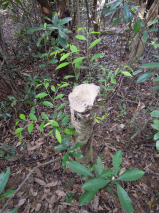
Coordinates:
column 155, row 126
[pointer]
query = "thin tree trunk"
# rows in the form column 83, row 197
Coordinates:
column 45, row 10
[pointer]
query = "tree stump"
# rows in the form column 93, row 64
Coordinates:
column 82, row 116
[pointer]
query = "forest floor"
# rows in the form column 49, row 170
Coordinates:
column 51, row 188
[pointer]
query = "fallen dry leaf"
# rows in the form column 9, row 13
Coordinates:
column 60, row 193
column 39, row 181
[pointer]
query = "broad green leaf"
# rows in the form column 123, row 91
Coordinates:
column 86, row 197
column 32, row 117
column 65, row 140
column 156, row 136
column 42, row 126
column 61, row 106
column 58, row 136
column 156, row 122
column 65, row 159
column 127, row 14
column 18, row 130
column 44, row 115
column 152, row 30
column 69, row 132
column 78, row 60
column 156, row 79
column 22, row 116
column 4, row 179
column 94, row 43
column 95, row 184
column 63, row 41
column 156, row 88
column 75, row 146
column 60, row 147
column 62, row 65
column 150, row 65
column 106, row 173
column 76, row 154
column 145, row 76
column 155, row 127
column 47, row 103
column 153, row 22
column 64, row 85
column 30, row 128
column 65, row 20
column 59, row 96
column 117, row 159
column 117, row 20
column 131, row 175
column 126, row 73
column 64, row 56
column 145, row 36
column 79, row 168
column 137, row 72
column 13, row 210
column 69, row 76
column 8, row 193
column 157, row 145
column 34, row 29
column 81, row 66
column 73, row 48
column 81, row 37
column 124, row 199
column 62, row 33
column 81, row 28
column 53, row 123
column 41, row 95
column 53, row 61
column 96, row 56
column 155, row 113
column 99, row 166
column 53, row 89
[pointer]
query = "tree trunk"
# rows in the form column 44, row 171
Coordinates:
column 45, row 10
column 61, row 4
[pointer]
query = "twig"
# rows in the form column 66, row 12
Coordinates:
column 20, row 186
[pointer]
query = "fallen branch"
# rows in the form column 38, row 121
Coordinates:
column 44, row 164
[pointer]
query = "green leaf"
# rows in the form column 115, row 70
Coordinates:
column 62, row 33
column 131, row 175
column 94, row 43
column 95, row 184
column 99, row 166
column 86, row 197
column 42, row 126
column 34, row 29
column 47, row 103
column 127, row 14
column 62, row 65
column 58, row 136
column 41, row 95
column 53, row 61
column 63, row 41
column 153, row 22
column 65, row 140
column 76, row 154
column 53, row 123
column 124, row 199
column 156, row 136
column 155, row 113
column 156, row 88
column 117, row 20
column 61, row 106
column 53, row 89
column 75, row 146
column 81, row 37
column 117, row 159
column 64, row 56
column 79, row 168
column 156, row 79
column 13, row 210
column 78, row 60
column 73, row 48
column 152, row 30
column 69, row 76
column 65, row 159
column 4, row 179
column 155, row 127
column 44, row 115
column 32, row 117
column 145, row 76
column 18, row 130
column 30, row 128
column 22, row 116
column 145, row 36
column 59, row 96
column 65, row 20
column 96, row 56
column 8, row 193
column 60, row 147
column 106, row 173
column 157, row 145
column 126, row 73
column 150, row 65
